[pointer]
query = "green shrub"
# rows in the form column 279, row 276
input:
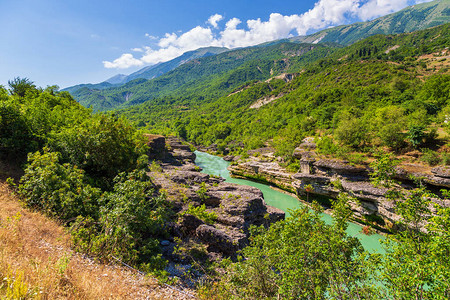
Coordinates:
column 351, row 132
column 201, row 213
column 129, row 223
column 103, row 146
column 416, row 135
column 430, row 157
column 325, row 145
column 15, row 136
column 58, row 189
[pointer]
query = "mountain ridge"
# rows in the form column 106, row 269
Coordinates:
column 168, row 78
column 412, row 18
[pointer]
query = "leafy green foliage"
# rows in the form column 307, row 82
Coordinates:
column 131, row 218
column 416, row 135
column 201, row 213
column 383, row 170
column 103, row 146
column 413, row 251
column 20, row 86
column 301, row 258
column 15, row 136
column 58, row 189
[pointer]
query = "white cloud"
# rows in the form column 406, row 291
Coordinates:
column 235, row 33
column 137, row 49
column 152, row 37
column 214, row 19
column 125, row 61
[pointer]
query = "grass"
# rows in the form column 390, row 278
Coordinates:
column 36, row 262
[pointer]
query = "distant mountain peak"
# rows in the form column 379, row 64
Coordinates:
column 116, row 79
column 412, row 18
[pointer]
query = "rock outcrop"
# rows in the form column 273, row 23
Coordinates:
column 236, row 207
column 329, row 177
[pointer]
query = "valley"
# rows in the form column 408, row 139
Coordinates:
column 308, row 167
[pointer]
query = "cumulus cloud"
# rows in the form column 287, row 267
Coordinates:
column 125, row 61
column 214, row 19
column 152, row 37
column 235, row 33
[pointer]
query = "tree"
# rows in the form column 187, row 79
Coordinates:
column 351, row 132
column 58, row 189
column 383, row 170
column 20, row 86
column 103, row 146
column 130, row 220
column 15, row 136
column 302, row 258
column 416, row 265
column 416, row 134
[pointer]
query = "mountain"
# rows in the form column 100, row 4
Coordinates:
column 212, row 72
column 149, row 72
column 207, row 76
column 88, row 86
column 412, row 18
column 368, row 94
column 157, row 70
column 117, row 79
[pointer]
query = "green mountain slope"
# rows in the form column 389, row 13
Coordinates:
column 150, row 72
column 410, row 19
column 208, row 77
column 369, row 93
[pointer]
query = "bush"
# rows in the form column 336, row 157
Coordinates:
column 130, row 221
column 416, row 134
column 103, row 146
column 58, row 189
column 430, row 157
column 300, row 258
column 351, row 132
column 325, row 145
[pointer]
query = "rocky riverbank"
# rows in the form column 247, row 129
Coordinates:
column 329, row 177
column 211, row 217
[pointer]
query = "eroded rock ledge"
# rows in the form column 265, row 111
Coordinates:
column 328, row 177
column 236, row 207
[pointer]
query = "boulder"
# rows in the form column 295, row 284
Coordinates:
column 189, row 177
column 189, row 223
column 228, row 158
column 339, row 167
column 303, row 155
column 441, row 171
column 157, row 146
column 217, row 240
column 184, row 155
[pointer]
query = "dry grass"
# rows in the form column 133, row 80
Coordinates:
column 36, row 262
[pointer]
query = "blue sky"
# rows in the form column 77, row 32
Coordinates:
column 66, row 42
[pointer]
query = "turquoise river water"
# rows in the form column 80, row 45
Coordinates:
column 214, row 165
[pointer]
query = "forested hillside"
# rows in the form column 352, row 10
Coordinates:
column 208, row 77
column 376, row 92
column 87, row 171
column 413, row 18
column 149, row 72
column 202, row 72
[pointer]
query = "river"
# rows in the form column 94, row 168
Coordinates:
column 215, row 165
